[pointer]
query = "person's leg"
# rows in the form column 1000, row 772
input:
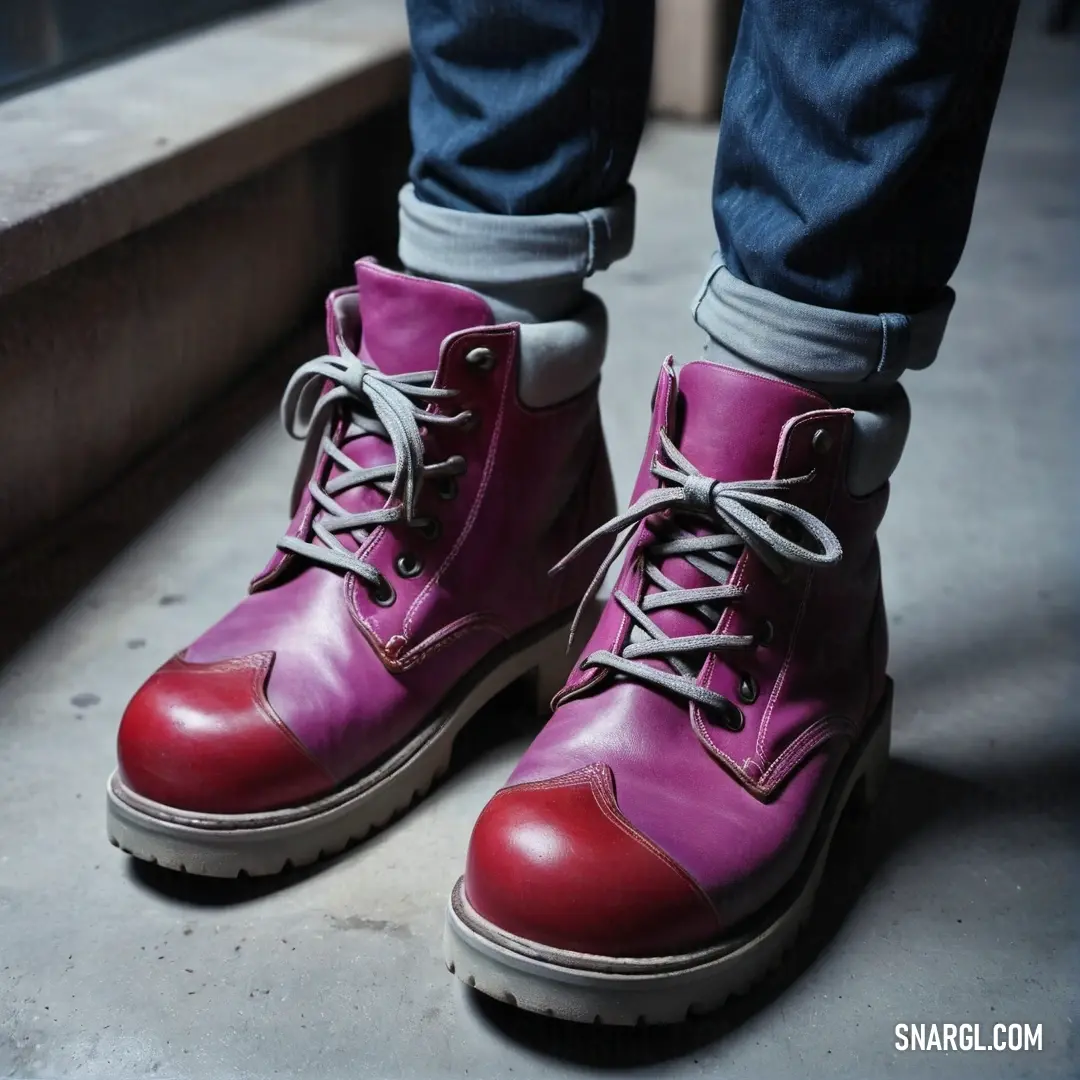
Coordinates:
column 849, row 156
column 527, row 107
column 412, row 584
column 658, row 846
column 850, row 149
column 525, row 117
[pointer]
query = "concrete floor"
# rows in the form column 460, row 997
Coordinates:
column 961, row 907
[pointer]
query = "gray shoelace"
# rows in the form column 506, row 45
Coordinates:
column 392, row 407
column 744, row 508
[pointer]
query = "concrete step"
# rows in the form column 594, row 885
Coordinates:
column 166, row 219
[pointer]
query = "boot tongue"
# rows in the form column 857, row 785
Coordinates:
column 728, row 426
column 405, row 319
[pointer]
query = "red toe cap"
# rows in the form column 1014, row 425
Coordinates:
column 555, row 862
column 203, row 737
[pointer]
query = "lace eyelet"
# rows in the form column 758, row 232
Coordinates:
column 408, row 565
column 748, row 689
column 382, row 593
column 732, row 718
column 430, row 528
column 725, row 714
column 446, row 487
column 766, row 634
column 483, row 359
column 821, row 442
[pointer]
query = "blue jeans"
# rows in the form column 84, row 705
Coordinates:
column 850, row 148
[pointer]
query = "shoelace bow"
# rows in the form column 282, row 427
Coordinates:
column 743, row 507
column 392, row 407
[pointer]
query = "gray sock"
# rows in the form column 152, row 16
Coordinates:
column 562, row 357
column 562, row 340
column 531, row 269
column 881, row 422
column 852, row 359
column 530, row 301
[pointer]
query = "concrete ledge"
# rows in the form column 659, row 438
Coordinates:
column 94, row 158
column 101, row 359
column 169, row 219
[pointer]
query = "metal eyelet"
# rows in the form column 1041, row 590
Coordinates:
column 483, row 359
column 446, row 487
column 748, row 689
column 732, row 718
column 821, row 442
column 765, row 634
column 725, row 714
column 382, row 593
column 408, row 565
column 430, row 528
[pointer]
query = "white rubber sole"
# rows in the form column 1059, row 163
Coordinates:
column 227, row 845
column 665, row 989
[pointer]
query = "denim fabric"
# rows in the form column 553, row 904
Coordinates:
column 828, row 348
column 527, row 106
column 851, row 142
column 485, row 250
column 850, row 148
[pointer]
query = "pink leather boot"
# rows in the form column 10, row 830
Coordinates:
column 411, row 587
column 661, row 841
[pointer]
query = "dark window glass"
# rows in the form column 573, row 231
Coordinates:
column 42, row 39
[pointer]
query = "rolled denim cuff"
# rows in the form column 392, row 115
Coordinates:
column 816, row 344
column 491, row 250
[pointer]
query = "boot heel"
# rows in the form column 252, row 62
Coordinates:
column 876, row 759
